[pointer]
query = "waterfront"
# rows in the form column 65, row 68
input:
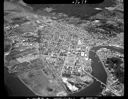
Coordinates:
column 14, row 86
column 94, row 89
column 98, row 71
column 17, row 88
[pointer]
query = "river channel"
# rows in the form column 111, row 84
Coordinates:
column 98, row 71
column 17, row 88
column 93, row 90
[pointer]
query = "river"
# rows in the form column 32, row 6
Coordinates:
column 17, row 88
column 14, row 86
column 94, row 89
column 98, row 71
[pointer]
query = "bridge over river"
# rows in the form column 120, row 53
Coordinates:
column 98, row 72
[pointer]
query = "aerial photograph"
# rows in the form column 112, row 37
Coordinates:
column 61, row 50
